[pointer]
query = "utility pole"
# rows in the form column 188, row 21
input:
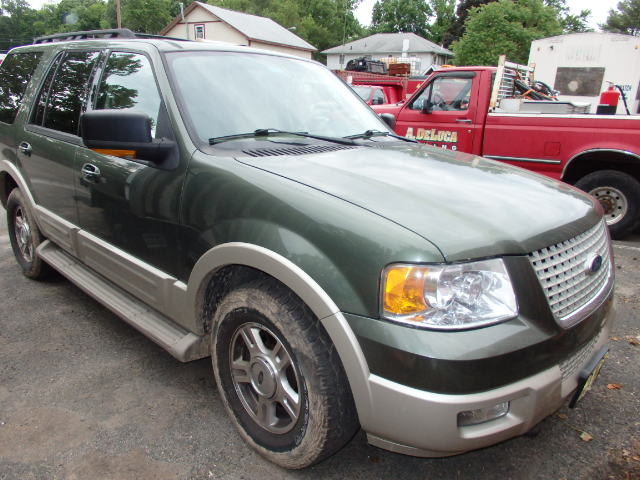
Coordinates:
column 118, row 14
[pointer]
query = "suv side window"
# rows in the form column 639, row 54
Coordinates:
column 128, row 83
column 15, row 75
column 65, row 91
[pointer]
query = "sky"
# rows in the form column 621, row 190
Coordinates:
column 599, row 10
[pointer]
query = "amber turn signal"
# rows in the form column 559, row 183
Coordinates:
column 115, row 153
column 404, row 290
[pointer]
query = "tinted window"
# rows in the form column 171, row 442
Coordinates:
column 68, row 91
column 15, row 74
column 128, row 84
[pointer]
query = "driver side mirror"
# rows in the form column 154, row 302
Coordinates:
column 124, row 133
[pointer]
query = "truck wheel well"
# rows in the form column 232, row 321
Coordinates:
column 601, row 160
column 220, row 283
column 7, row 183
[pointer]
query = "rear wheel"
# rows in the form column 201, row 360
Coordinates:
column 279, row 376
column 619, row 195
column 24, row 236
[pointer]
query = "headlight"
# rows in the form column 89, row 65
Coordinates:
column 448, row 297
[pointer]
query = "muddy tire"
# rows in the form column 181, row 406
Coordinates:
column 280, row 377
column 25, row 237
column 619, row 195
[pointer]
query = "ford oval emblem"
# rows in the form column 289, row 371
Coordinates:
column 592, row 264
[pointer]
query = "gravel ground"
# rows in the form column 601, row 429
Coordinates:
column 85, row 396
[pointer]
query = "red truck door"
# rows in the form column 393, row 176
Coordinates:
column 444, row 113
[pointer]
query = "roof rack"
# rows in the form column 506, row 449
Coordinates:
column 124, row 33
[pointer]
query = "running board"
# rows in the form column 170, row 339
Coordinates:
column 182, row 344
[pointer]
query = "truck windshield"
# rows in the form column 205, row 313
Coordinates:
column 225, row 93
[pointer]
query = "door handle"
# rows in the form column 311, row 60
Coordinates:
column 463, row 120
column 90, row 172
column 25, row 148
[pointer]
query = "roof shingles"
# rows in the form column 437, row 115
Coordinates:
column 389, row 43
column 258, row 28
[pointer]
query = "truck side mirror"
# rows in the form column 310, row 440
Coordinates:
column 125, row 133
column 389, row 119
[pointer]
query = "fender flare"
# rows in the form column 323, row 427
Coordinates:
column 11, row 170
column 596, row 150
column 296, row 279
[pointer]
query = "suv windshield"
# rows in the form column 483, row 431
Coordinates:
column 227, row 93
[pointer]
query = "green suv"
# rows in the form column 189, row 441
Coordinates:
column 248, row 206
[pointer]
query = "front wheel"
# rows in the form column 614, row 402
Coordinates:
column 619, row 195
column 279, row 376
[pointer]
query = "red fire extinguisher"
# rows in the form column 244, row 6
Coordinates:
column 610, row 97
column 608, row 101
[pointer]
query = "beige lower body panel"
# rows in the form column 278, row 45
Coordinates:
column 414, row 422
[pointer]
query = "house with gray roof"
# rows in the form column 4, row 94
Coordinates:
column 208, row 22
column 390, row 48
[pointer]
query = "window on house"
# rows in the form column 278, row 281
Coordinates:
column 341, row 59
column 199, row 31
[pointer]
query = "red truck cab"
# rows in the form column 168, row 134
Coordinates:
column 597, row 153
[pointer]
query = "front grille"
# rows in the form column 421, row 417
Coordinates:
column 562, row 271
column 571, row 365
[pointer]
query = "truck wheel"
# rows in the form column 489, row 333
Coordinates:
column 25, row 237
column 619, row 195
column 279, row 376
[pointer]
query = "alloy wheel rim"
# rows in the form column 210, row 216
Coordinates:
column 265, row 378
column 23, row 234
column 613, row 201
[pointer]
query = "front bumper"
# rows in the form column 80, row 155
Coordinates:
column 422, row 423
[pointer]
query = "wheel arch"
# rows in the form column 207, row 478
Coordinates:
column 235, row 263
column 7, row 183
column 596, row 159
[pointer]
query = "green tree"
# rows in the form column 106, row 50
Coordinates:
column 444, row 12
column 457, row 28
column 505, row 27
column 401, row 16
column 626, row 19
column 16, row 23
column 571, row 23
column 71, row 16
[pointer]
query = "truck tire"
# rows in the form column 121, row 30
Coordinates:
column 25, row 237
column 279, row 376
column 619, row 195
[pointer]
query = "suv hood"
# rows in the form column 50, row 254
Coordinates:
column 468, row 206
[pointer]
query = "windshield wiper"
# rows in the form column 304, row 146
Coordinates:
column 378, row 133
column 265, row 132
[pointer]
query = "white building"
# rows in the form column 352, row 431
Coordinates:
column 214, row 23
column 579, row 65
column 390, row 47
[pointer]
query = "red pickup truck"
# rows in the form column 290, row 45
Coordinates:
column 394, row 88
column 597, row 153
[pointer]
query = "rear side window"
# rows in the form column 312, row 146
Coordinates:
column 15, row 74
column 65, row 91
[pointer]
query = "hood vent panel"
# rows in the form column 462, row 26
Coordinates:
column 297, row 150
